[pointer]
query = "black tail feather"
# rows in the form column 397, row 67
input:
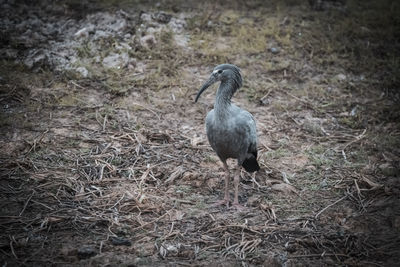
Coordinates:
column 251, row 164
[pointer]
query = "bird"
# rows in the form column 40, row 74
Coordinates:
column 231, row 131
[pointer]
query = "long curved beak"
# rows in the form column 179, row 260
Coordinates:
column 207, row 84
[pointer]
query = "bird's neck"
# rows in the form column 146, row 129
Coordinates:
column 223, row 99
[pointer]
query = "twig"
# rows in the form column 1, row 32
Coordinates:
column 146, row 108
column 118, row 201
column 317, row 255
column 50, row 208
column 153, row 221
column 104, row 122
column 344, row 155
column 327, row 207
column 12, row 247
column 235, row 225
column 26, row 203
column 266, row 95
column 77, row 85
column 36, row 141
column 300, row 99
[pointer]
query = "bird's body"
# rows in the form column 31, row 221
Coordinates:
column 231, row 131
column 239, row 126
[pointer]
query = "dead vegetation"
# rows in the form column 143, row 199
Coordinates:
column 113, row 169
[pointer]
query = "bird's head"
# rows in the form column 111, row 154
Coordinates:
column 226, row 73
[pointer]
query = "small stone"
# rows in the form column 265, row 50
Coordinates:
column 274, row 50
column 340, row 77
column 148, row 41
column 82, row 71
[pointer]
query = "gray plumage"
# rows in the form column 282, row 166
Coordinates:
column 234, row 136
column 231, row 131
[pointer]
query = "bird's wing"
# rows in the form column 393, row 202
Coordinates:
column 245, row 120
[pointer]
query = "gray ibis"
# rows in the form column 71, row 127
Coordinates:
column 231, row 131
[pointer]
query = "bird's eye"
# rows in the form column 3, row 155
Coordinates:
column 219, row 71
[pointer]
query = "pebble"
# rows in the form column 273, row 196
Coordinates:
column 82, row 71
column 274, row 50
column 148, row 41
column 341, row 77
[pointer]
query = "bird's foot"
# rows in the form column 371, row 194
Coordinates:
column 221, row 202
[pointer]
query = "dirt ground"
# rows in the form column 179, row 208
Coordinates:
column 104, row 158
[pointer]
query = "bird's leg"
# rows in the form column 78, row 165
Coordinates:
column 236, row 184
column 227, row 179
column 226, row 194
